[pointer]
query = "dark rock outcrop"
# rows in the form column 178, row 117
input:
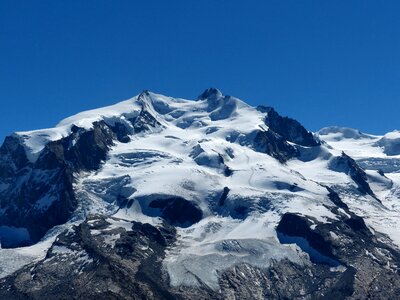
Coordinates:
column 116, row 264
column 210, row 93
column 290, row 129
column 360, row 253
column 347, row 165
column 82, row 150
column 294, row 228
column 335, row 198
column 274, row 145
column 46, row 198
column 12, row 157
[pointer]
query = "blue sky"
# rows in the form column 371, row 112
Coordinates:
column 321, row 62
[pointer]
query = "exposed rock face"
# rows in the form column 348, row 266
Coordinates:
column 98, row 260
column 351, row 245
column 12, row 158
column 46, row 197
column 274, row 145
column 295, row 228
column 289, row 129
column 42, row 200
column 346, row 164
column 210, row 93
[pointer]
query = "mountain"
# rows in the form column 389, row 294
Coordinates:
column 158, row 197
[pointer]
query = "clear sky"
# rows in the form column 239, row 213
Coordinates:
column 321, row 62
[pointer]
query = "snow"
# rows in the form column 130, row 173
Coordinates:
column 111, row 239
column 80, row 257
column 34, row 141
column 360, row 145
column 394, row 135
column 87, row 118
column 119, row 223
column 339, row 133
column 368, row 152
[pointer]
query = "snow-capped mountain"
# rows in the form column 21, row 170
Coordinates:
column 165, row 198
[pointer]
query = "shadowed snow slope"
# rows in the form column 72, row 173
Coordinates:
column 197, row 189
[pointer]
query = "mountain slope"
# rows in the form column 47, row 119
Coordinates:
column 164, row 198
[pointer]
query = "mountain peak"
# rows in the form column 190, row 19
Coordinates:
column 144, row 93
column 210, row 93
column 202, row 190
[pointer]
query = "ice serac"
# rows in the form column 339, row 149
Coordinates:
column 159, row 197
